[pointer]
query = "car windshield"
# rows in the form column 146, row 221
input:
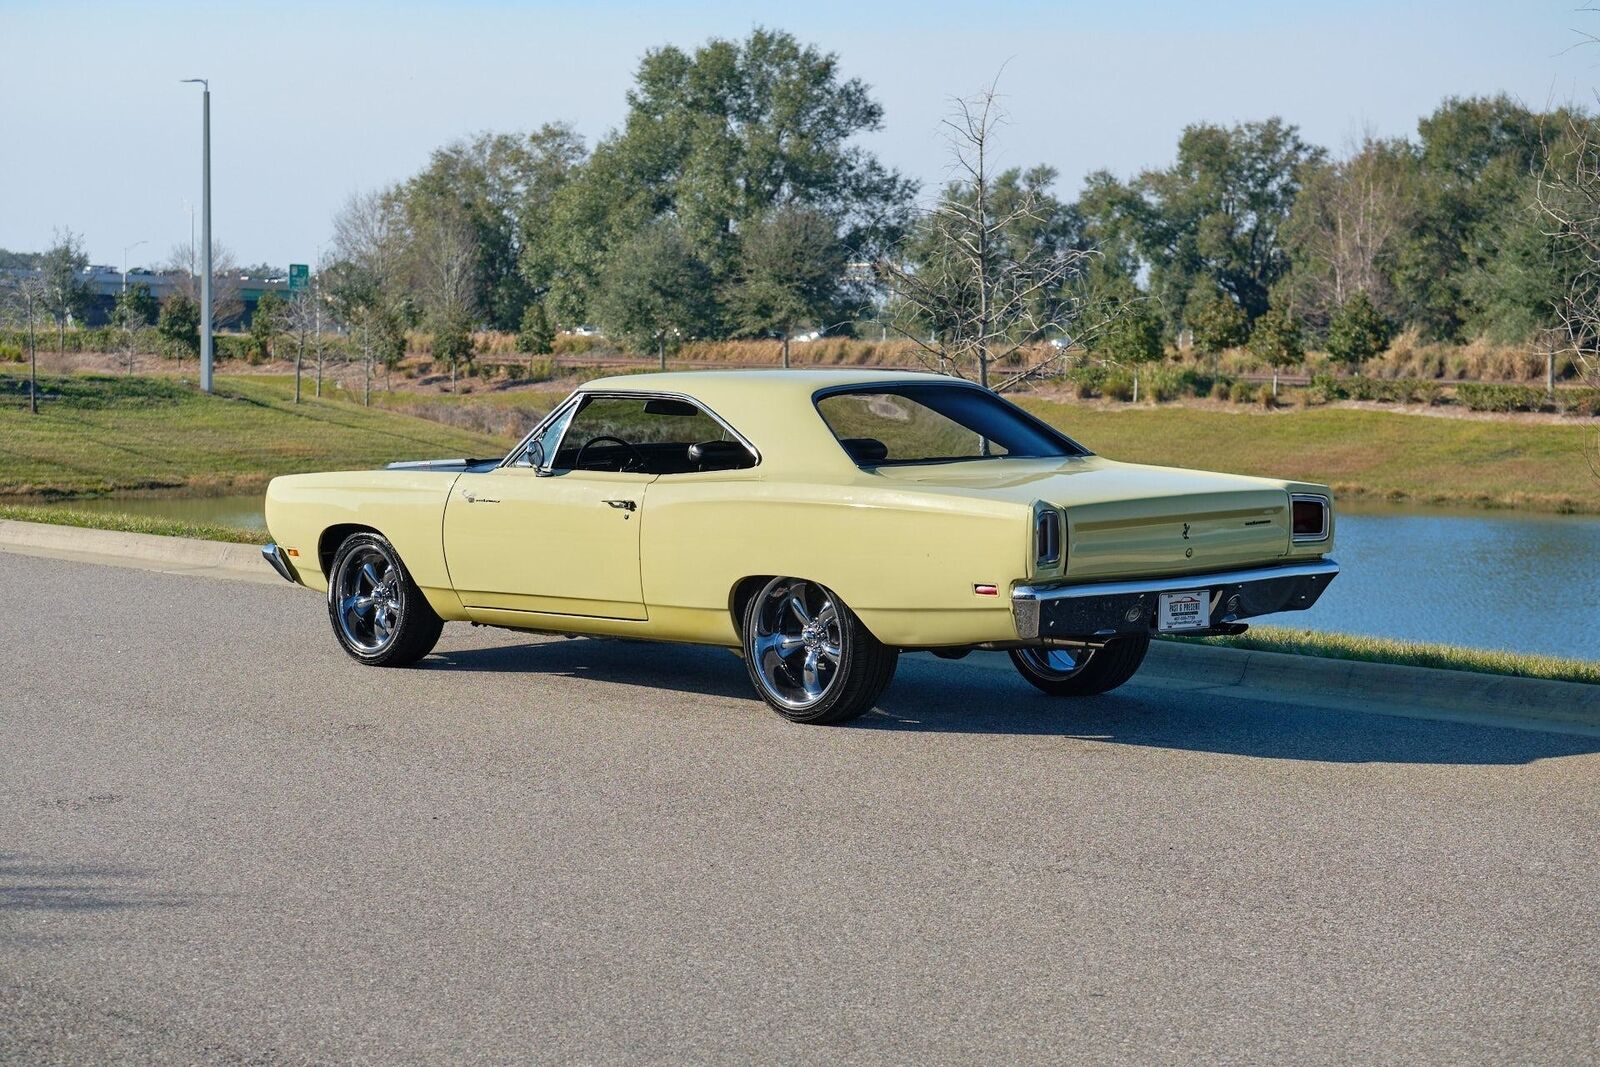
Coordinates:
column 935, row 423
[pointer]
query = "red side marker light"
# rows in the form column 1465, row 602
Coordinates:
column 986, row 590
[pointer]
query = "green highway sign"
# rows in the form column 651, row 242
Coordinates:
column 299, row 277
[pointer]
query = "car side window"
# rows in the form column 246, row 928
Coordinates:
column 649, row 435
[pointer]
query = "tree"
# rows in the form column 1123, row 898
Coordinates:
column 1217, row 322
column 179, row 325
column 499, row 186
column 537, row 337
column 657, row 293
column 1349, row 222
column 67, row 294
column 267, row 323
column 987, row 272
column 1217, row 211
column 1132, row 335
column 1357, row 332
column 1275, row 339
column 366, row 282
column 135, row 309
column 791, row 270
column 29, row 299
column 714, row 139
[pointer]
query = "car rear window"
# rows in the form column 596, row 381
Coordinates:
column 934, row 423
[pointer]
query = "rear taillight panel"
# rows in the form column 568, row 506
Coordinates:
column 1049, row 542
column 1310, row 518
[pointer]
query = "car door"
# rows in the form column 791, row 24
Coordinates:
column 542, row 538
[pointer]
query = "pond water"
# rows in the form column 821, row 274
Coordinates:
column 1483, row 579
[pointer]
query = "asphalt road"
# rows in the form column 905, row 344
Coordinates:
column 223, row 842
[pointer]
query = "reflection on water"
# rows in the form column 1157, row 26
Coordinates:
column 1502, row 580
column 245, row 511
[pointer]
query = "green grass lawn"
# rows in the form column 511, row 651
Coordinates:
column 100, row 433
column 1376, row 455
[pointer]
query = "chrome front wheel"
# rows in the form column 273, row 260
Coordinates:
column 369, row 610
column 378, row 613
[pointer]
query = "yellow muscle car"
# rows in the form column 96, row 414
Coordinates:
column 821, row 522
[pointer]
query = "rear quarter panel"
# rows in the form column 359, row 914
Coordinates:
column 310, row 513
column 904, row 561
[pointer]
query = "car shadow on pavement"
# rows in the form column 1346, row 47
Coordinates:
column 934, row 696
column 29, row 884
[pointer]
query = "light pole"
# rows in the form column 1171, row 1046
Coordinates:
column 205, row 231
column 125, row 250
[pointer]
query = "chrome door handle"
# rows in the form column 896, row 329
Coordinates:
column 625, row 505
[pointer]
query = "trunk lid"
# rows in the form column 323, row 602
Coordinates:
column 1129, row 520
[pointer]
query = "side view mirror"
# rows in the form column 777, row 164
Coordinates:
column 534, row 457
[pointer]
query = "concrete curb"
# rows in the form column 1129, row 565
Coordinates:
column 1315, row 681
column 1327, row 681
column 171, row 555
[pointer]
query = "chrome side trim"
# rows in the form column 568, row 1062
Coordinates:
column 280, row 562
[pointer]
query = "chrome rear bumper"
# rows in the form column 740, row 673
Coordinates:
column 1105, row 609
column 280, row 562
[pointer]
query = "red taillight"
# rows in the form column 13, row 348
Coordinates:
column 1310, row 515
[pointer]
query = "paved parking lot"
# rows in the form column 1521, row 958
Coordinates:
column 223, row 842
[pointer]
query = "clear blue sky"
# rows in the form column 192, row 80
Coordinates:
column 313, row 101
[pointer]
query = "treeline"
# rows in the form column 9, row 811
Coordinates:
column 732, row 202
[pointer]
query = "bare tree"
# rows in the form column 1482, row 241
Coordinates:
column 227, row 306
column 1346, row 222
column 28, row 299
column 985, row 274
column 366, row 281
column 444, row 271
column 1568, row 194
column 303, row 320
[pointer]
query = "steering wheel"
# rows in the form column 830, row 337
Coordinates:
column 577, row 461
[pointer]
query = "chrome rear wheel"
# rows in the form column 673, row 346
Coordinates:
column 1056, row 664
column 809, row 656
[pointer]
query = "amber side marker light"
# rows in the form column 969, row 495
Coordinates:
column 294, row 551
column 986, row 590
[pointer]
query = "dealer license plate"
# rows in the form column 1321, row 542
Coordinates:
column 1184, row 611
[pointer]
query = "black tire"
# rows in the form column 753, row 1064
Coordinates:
column 1102, row 671
column 848, row 684
column 398, row 626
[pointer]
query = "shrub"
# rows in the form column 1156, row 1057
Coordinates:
column 1324, row 389
column 10, row 353
column 1276, row 339
column 1218, row 323
column 1584, row 402
column 1478, row 396
column 1118, row 387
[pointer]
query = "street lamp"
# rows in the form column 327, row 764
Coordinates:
column 205, row 230
column 125, row 250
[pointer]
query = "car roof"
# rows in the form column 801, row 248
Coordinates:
column 808, row 379
column 771, row 408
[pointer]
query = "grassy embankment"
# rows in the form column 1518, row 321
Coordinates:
column 104, row 433
column 1412, row 654
column 144, row 524
column 1371, row 455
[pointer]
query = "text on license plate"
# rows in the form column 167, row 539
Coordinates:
column 1189, row 610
